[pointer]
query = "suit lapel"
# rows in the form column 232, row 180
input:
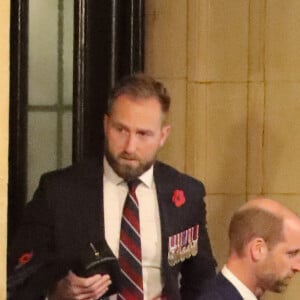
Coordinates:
column 166, row 183
column 164, row 189
column 90, row 200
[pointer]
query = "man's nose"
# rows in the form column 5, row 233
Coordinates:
column 296, row 265
column 131, row 143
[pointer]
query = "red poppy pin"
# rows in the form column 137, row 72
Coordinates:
column 178, row 198
column 25, row 258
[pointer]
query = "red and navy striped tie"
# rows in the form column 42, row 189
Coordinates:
column 130, row 252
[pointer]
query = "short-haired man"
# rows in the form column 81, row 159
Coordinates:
column 264, row 253
column 84, row 203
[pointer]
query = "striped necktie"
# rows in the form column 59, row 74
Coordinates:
column 130, row 252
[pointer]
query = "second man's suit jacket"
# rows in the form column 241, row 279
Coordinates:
column 67, row 212
column 220, row 288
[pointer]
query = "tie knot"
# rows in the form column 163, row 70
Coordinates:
column 132, row 184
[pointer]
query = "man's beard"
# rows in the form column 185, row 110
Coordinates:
column 278, row 285
column 126, row 171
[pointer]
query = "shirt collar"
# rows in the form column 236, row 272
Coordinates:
column 242, row 289
column 110, row 174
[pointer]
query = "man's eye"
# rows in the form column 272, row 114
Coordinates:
column 144, row 133
column 120, row 129
column 293, row 253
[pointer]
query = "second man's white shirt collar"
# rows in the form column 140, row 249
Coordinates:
column 242, row 289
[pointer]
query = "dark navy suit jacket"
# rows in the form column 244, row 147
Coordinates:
column 220, row 288
column 66, row 213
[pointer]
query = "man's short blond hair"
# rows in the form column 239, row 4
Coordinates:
column 253, row 222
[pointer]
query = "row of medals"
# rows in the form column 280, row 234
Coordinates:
column 182, row 253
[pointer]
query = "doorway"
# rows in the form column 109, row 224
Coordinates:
column 65, row 56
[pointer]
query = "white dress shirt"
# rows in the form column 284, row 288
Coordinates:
column 242, row 289
column 115, row 192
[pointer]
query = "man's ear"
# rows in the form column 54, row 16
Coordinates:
column 258, row 249
column 165, row 131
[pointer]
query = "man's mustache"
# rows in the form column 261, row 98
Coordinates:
column 129, row 156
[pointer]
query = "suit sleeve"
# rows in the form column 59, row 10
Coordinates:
column 202, row 267
column 32, row 267
column 36, row 228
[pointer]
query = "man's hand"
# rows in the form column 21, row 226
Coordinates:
column 73, row 287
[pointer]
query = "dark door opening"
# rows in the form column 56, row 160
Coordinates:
column 108, row 44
